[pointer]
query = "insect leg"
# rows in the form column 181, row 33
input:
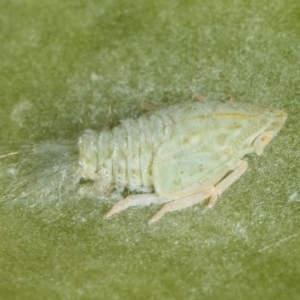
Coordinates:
column 135, row 200
column 239, row 170
column 182, row 203
column 212, row 192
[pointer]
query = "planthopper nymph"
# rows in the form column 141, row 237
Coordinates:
column 178, row 155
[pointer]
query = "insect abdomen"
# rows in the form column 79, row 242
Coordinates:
column 122, row 157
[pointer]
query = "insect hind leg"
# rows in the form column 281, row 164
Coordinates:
column 183, row 203
column 214, row 192
column 135, row 200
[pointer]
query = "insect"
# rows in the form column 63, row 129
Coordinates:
column 178, row 155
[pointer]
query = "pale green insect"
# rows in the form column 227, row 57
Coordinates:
column 179, row 155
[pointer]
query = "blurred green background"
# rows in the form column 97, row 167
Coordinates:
column 70, row 65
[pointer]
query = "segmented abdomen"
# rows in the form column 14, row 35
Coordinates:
column 122, row 157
